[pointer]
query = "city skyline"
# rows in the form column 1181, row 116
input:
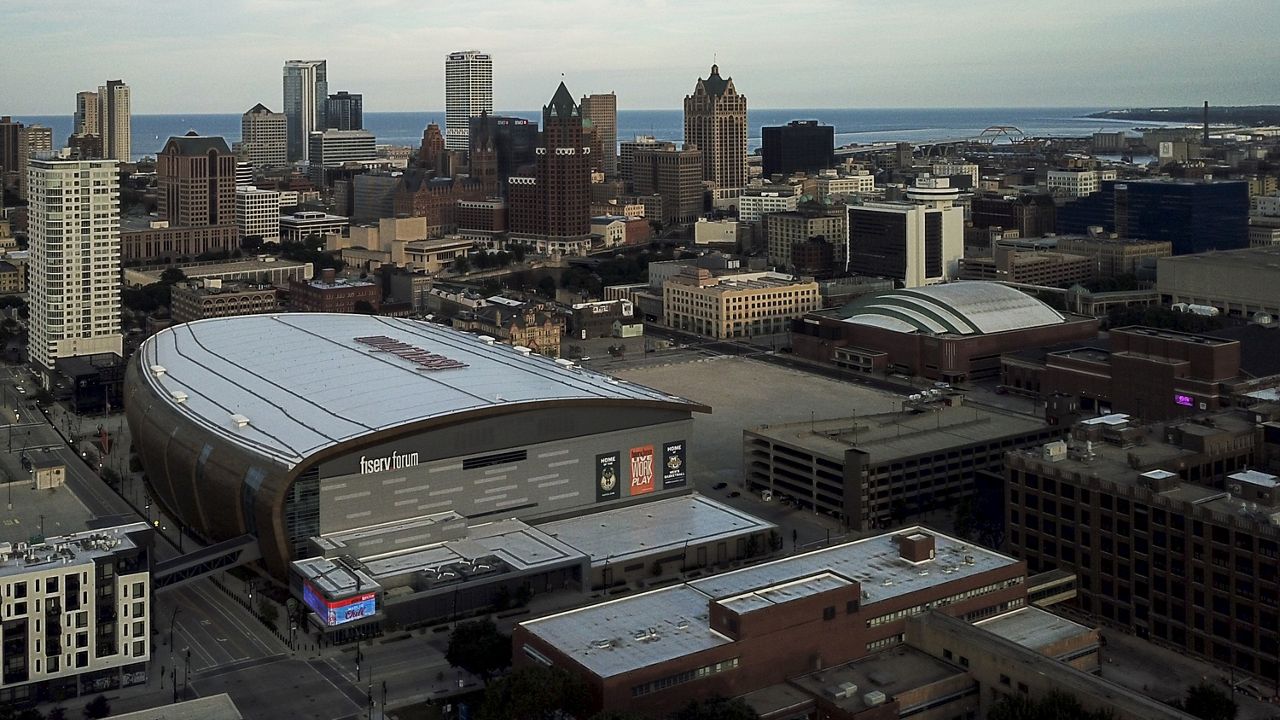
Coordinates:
column 1034, row 54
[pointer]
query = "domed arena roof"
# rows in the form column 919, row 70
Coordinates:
column 962, row 308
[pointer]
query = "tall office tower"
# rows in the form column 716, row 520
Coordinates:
column 114, row 120
column 468, row 92
column 328, row 151
column 555, row 204
column 715, row 120
column 919, row 242
column 264, row 137
column 86, row 117
column 32, row 139
column 9, row 144
column 602, row 111
column 627, row 153
column 676, row 175
column 74, row 268
column 431, row 153
column 799, row 146
column 306, row 89
column 345, row 111
column 196, row 181
column 512, row 141
column 1195, row 215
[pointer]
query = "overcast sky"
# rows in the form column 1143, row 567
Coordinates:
column 191, row 56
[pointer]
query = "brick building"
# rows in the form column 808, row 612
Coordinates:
column 331, row 294
column 551, row 208
column 675, row 175
column 435, row 198
column 1035, row 267
column 953, row 332
column 748, row 629
column 1172, row 538
column 212, row 298
column 536, row 326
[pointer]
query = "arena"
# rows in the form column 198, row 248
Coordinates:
column 291, row 427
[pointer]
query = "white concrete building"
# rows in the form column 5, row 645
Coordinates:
column 74, row 272
column 863, row 183
column 301, row 225
column 75, row 604
column 612, row 230
column 755, row 202
column 916, row 243
column 332, row 148
column 258, row 213
column 1077, row 183
column 468, row 92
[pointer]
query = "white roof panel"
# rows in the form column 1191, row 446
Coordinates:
column 303, row 381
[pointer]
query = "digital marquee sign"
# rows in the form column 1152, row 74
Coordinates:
column 338, row 612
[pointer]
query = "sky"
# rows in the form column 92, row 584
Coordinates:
column 224, row 56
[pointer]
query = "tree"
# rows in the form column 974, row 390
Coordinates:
column 172, row 276
column 716, row 708
column 547, row 287
column 56, row 713
column 251, row 243
column 364, row 307
column 479, row 648
column 97, row 708
column 534, row 693
column 461, row 265
column 1210, row 702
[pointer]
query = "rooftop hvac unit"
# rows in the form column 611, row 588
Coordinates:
column 178, row 396
column 486, row 340
column 874, row 698
column 522, row 350
column 240, row 421
column 157, row 370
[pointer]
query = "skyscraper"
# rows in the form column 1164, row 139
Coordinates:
column 715, row 120
column 196, row 183
column 602, row 111
column 264, row 137
column 86, row 117
column 798, row 146
column 345, row 111
column 32, row 139
column 512, row 141
column 114, row 119
column 553, row 208
column 74, row 269
column 306, row 90
column 468, row 92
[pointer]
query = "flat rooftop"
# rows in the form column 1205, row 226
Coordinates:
column 887, row 437
column 73, row 549
column 1266, row 257
column 518, row 545
column 615, row 637
column 893, row 672
column 1033, row 628
column 624, row 533
column 58, row 509
column 238, row 267
column 267, row 382
column 213, row 707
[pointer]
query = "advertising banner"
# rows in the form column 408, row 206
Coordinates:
column 607, row 486
column 642, row 480
column 673, row 472
column 337, row 612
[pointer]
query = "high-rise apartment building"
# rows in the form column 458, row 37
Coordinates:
column 264, row 137
column 196, row 179
column 114, row 120
column 74, row 269
column 676, row 175
column 799, row 146
column 306, row 89
column 553, row 207
column 715, row 120
column 512, row 141
column 602, row 110
column 345, row 111
column 86, row 116
column 468, row 92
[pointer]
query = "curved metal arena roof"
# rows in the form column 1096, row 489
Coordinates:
column 961, row 308
column 286, row 386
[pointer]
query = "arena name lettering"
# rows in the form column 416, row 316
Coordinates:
column 394, row 461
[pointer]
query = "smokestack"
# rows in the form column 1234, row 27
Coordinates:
column 1205, row 140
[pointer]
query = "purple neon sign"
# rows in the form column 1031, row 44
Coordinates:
column 1184, row 400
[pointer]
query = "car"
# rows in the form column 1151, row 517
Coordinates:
column 735, row 494
column 942, row 386
column 720, row 486
column 584, row 358
column 21, row 390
